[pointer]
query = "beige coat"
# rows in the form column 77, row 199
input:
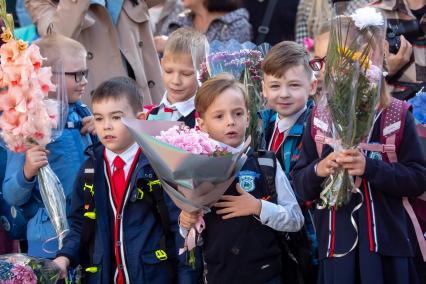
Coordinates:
column 92, row 26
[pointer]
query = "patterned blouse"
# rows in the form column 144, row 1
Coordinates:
column 233, row 25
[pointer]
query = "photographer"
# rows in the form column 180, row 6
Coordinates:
column 406, row 39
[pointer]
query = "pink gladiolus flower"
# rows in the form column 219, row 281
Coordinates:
column 27, row 116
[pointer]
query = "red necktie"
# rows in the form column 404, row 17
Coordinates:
column 277, row 140
column 119, row 180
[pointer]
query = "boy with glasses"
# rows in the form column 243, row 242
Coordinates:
column 65, row 155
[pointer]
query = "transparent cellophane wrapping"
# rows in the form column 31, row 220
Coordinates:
column 243, row 61
column 353, row 78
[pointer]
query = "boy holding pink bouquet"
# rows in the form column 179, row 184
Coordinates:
column 240, row 238
column 65, row 154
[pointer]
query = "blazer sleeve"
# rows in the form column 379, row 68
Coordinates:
column 67, row 17
column 408, row 176
column 306, row 183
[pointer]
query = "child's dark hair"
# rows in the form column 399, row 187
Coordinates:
column 284, row 55
column 117, row 88
column 213, row 87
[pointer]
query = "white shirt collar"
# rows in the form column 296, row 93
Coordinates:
column 286, row 123
column 128, row 156
column 232, row 149
column 184, row 108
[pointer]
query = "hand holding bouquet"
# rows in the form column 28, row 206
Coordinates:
column 353, row 74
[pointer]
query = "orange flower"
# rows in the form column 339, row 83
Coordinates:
column 6, row 35
column 22, row 45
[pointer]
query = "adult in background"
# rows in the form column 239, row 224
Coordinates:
column 161, row 15
column 406, row 38
column 312, row 14
column 117, row 37
column 274, row 26
column 221, row 20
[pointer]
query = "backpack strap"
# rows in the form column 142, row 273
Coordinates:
column 392, row 125
column 154, row 191
column 267, row 162
column 321, row 128
column 263, row 29
column 89, row 212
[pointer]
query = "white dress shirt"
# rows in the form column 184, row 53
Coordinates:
column 127, row 156
column 285, row 124
column 181, row 108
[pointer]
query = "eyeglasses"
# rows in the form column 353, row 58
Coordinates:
column 78, row 75
column 317, row 63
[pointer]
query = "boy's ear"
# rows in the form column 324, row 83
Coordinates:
column 141, row 115
column 263, row 89
column 313, row 87
column 200, row 123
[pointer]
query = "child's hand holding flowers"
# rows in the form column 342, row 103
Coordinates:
column 353, row 161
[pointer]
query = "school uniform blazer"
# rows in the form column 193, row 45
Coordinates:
column 388, row 222
column 139, row 236
column 92, row 26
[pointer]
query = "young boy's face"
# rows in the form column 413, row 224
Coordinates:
column 226, row 119
column 75, row 67
column 109, row 128
column 179, row 77
column 288, row 94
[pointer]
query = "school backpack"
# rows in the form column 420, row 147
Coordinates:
column 392, row 130
column 296, row 265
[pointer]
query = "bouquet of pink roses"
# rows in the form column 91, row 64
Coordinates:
column 192, row 140
column 32, row 110
column 194, row 170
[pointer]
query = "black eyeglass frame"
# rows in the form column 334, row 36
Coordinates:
column 313, row 63
column 78, row 75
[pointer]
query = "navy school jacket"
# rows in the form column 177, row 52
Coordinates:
column 141, row 228
column 382, row 215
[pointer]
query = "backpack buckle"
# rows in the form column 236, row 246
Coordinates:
column 388, row 148
column 263, row 29
column 160, row 254
column 153, row 184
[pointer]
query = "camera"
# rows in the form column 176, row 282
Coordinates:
column 395, row 28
